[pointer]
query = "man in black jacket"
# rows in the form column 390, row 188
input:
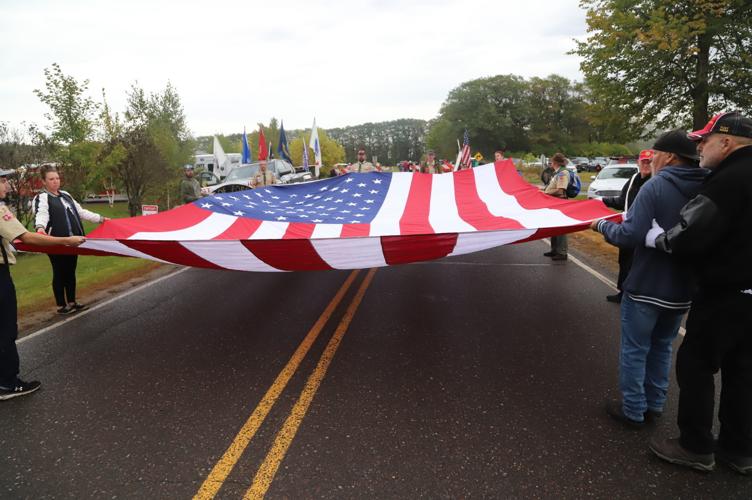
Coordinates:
column 715, row 236
column 623, row 202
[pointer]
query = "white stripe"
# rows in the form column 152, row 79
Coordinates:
column 326, row 231
column 114, row 246
column 228, row 254
column 475, row 242
column 351, row 253
column 209, row 228
column 502, row 204
column 388, row 217
column 443, row 214
column 269, row 230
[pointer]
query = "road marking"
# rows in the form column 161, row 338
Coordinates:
column 224, row 466
column 286, row 434
column 100, row 305
column 602, row 278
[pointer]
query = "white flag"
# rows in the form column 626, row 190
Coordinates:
column 316, row 146
column 223, row 165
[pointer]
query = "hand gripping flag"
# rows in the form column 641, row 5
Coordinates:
column 347, row 222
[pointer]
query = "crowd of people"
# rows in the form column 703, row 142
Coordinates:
column 684, row 244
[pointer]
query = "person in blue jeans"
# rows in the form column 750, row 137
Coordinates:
column 658, row 289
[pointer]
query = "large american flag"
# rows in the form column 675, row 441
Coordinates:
column 353, row 221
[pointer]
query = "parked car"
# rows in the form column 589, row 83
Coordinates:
column 598, row 163
column 240, row 177
column 581, row 163
column 611, row 180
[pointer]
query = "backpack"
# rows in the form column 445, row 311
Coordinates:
column 574, row 186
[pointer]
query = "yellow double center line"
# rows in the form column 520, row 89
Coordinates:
column 284, row 438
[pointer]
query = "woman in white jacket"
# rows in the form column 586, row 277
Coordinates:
column 56, row 213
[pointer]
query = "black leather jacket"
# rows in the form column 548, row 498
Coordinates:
column 715, row 228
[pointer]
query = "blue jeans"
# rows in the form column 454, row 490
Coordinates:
column 647, row 332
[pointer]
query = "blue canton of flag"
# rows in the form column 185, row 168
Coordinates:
column 347, row 199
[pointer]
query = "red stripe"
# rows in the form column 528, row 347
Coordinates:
column 472, row 209
column 241, row 229
column 287, row 255
column 299, row 231
column 529, row 197
column 171, row 251
column 415, row 217
column 355, row 230
column 406, row 249
column 171, row 220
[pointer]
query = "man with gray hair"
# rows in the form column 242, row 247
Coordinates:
column 714, row 236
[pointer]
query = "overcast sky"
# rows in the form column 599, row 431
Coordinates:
column 237, row 63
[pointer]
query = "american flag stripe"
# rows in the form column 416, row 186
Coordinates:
column 406, row 218
column 444, row 215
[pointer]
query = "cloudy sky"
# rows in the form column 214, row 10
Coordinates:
column 237, row 63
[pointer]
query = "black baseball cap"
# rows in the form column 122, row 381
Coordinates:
column 731, row 123
column 677, row 142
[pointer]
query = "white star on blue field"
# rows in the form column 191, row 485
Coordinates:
column 349, row 199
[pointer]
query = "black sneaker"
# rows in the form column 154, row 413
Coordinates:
column 65, row 310
column 20, row 388
column 559, row 256
column 671, row 451
column 614, row 410
column 549, row 254
column 742, row 465
column 615, row 298
column 78, row 307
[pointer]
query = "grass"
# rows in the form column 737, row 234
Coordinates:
column 33, row 273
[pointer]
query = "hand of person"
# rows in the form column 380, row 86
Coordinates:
column 105, row 219
column 41, row 230
column 653, row 234
column 594, row 225
column 74, row 241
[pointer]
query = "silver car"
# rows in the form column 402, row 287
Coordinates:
column 611, row 180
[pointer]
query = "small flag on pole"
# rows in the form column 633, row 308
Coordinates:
column 246, row 149
column 465, row 160
column 283, row 150
column 316, row 146
column 263, row 151
column 305, row 156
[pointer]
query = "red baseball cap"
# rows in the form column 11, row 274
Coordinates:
column 646, row 154
column 731, row 123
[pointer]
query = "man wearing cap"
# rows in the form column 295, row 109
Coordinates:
column 657, row 291
column 623, row 202
column 714, row 234
column 10, row 229
column 190, row 189
column 431, row 166
column 557, row 186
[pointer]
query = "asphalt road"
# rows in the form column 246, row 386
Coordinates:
column 471, row 377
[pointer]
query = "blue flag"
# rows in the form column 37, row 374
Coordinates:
column 283, row 150
column 246, row 149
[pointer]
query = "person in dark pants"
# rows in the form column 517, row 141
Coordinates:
column 623, row 202
column 557, row 186
column 714, row 235
column 10, row 229
column 56, row 213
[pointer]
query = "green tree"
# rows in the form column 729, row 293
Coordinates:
column 666, row 63
column 73, row 124
column 146, row 150
column 331, row 151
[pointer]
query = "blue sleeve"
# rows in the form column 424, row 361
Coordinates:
column 631, row 233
